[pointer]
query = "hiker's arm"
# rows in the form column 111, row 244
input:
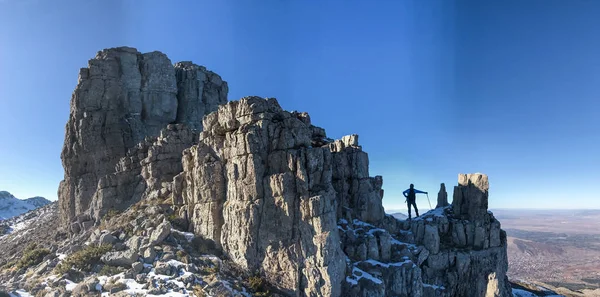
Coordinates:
column 420, row 192
column 405, row 193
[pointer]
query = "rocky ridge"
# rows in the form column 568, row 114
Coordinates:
column 441, row 253
column 10, row 206
column 253, row 200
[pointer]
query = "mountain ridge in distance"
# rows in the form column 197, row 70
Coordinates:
column 11, row 206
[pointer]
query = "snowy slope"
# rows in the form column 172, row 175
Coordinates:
column 10, row 206
column 24, row 221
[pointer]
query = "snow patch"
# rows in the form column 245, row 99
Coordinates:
column 70, row 285
column 375, row 230
column 361, row 223
column 189, row 236
column 358, row 273
column 20, row 293
column 436, row 287
column 386, row 265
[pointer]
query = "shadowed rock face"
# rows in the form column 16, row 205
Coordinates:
column 122, row 97
column 145, row 172
column 442, row 200
column 456, row 250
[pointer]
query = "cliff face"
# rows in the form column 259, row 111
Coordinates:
column 122, row 97
column 267, row 187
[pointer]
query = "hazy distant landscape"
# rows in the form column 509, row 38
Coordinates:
column 557, row 247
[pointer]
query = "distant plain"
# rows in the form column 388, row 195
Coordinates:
column 556, row 247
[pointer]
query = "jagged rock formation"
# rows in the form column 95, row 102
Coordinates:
column 267, row 186
column 457, row 250
column 442, row 199
column 121, row 98
column 259, row 184
column 467, row 248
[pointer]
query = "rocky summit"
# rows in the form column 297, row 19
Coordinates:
column 170, row 189
column 121, row 98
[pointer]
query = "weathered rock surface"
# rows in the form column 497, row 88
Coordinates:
column 359, row 195
column 145, row 172
column 470, row 201
column 124, row 258
column 442, row 200
column 267, row 187
column 107, row 239
column 259, row 186
column 262, row 185
column 121, row 98
column 451, row 254
column 160, row 233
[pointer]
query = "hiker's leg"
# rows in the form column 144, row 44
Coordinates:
column 408, row 209
column 416, row 209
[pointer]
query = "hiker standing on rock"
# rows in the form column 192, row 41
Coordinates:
column 410, row 195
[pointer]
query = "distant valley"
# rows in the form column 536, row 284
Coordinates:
column 560, row 248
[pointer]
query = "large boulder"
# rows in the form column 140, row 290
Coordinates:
column 122, row 258
column 161, row 232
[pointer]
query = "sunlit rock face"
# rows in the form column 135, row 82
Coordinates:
column 268, row 186
column 122, row 97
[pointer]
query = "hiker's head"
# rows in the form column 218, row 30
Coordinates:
column 412, row 186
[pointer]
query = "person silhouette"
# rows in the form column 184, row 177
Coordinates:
column 410, row 195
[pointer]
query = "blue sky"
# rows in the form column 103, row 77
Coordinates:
column 433, row 88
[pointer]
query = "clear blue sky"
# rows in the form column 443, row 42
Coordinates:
column 507, row 88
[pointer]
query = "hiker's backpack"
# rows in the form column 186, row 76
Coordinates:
column 411, row 195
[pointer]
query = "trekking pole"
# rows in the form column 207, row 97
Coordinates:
column 428, row 201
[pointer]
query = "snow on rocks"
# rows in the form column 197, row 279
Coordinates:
column 378, row 262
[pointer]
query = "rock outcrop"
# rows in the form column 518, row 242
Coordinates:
column 457, row 250
column 261, row 185
column 442, row 199
column 145, row 172
column 122, row 97
column 267, row 187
